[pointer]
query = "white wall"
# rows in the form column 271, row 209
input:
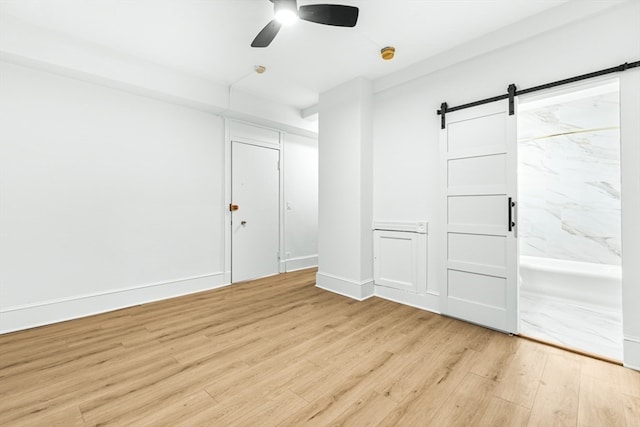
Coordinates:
column 406, row 128
column 108, row 199
column 345, row 245
column 301, row 201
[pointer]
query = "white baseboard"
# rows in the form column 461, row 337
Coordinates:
column 346, row 287
column 429, row 302
column 631, row 348
column 17, row 318
column 301, row 263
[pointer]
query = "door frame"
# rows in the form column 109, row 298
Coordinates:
column 277, row 139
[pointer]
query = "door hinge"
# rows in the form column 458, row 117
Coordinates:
column 278, row 164
column 278, row 255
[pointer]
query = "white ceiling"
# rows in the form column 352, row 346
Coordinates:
column 211, row 38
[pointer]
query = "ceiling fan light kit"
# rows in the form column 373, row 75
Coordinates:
column 287, row 11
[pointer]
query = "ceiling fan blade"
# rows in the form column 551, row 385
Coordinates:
column 266, row 36
column 330, row 14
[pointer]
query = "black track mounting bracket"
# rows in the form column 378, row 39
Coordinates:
column 512, row 93
column 443, row 112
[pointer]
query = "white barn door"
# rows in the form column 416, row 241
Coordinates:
column 479, row 157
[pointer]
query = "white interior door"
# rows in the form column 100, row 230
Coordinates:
column 479, row 155
column 255, row 225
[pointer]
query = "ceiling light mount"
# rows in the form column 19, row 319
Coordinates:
column 388, row 53
column 260, row 69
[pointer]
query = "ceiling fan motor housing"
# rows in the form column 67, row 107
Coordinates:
column 279, row 5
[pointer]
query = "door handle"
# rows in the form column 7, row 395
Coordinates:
column 243, row 222
column 510, row 206
column 233, row 207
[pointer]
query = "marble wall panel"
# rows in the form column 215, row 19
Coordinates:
column 569, row 180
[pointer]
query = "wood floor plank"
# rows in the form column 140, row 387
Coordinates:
column 62, row 416
column 629, row 381
column 280, row 351
column 369, row 410
column 631, row 410
column 468, row 404
column 272, row 411
column 601, row 370
column 518, row 382
column 500, row 413
column 597, row 405
column 496, row 356
column 556, row 402
column 174, row 413
column 56, row 362
column 433, row 390
column 335, row 399
column 167, row 389
column 423, row 364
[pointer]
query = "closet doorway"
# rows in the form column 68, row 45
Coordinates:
column 569, row 231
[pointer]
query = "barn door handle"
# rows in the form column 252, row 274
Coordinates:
column 510, row 206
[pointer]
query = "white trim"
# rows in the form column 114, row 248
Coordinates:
column 98, row 294
column 631, row 351
column 348, row 288
column 301, row 263
column 26, row 316
column 429, row 301
column 421, row 227
column 240, row 131
column 630, row 187
column 227, row 200
column 237, row 116
column 310, row 113
column 249, row 141
column 281, row 203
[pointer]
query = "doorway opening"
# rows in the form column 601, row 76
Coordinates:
column 570, row 218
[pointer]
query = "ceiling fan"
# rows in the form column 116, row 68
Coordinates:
column 287, row 11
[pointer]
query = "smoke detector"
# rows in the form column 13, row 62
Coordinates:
column 388, row 53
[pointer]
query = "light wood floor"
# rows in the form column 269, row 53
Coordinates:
column 279, row 351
